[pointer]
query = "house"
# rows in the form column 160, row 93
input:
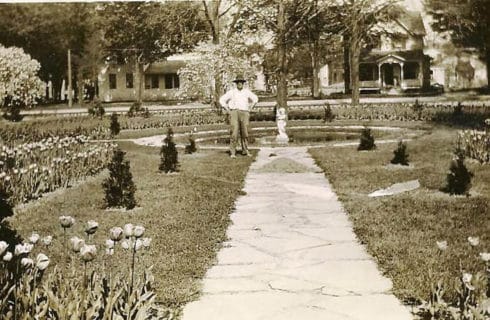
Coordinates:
column 395, row 64
column 160, row 81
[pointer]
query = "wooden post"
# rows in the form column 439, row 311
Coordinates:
column 70, row 94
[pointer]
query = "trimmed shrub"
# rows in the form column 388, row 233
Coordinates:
column 134, row 109
column 119, row 186
column 459, row 177
column 366, row 140
column 169, row 154
column 191, row 147
column 328, row 115
column 115, row 126
column 96, row 109
column 401, row 155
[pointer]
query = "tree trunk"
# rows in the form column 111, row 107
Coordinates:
column 354, row 53
column 315, row 63
column 347, row 87
column 488, row 69
column 139, row 79
column 80, row 87
column 282, row 88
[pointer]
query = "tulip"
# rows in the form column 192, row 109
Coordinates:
column 474, row 241
column 88, row 252
column 23, row 248
column 76, row 244
column 109, row 251
column 126, row 244
column 109, row 244
column 116, row 234
column 66, row 221
column 485, row 256
column 42, row 261
column 146, row 242
column 34, row 238
column 128, row 230
column 8, row 256
column 26, row 262
column 47, row 240
column 139, row 231
column 442, row 245
column 138, row 244
column 3, row 247
column 91, row 227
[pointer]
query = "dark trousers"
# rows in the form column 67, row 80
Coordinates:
column 239, row 121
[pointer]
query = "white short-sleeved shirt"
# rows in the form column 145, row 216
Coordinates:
column 236, row 99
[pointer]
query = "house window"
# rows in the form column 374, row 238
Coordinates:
column 172, row 81
column 129, row 80
column 411, row 70
column 368, row 72
column 112, row 81
column 151, row 81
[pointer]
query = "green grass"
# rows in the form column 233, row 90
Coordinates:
column 185, row 214
column 401, row 231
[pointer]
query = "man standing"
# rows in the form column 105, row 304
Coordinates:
column 238, row 102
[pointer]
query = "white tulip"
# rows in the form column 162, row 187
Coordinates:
column 42, row 261
column 77, row 244
column 22, row 248
column 34, row 238
column 8, row 256
column 109, row 244
column 3, row 247
column 146, row 242
column 138, row 244
column 442, row 245
column 116, row 234
column 26, row 262
column 67, row 221
column 88, row 252
column 47, row 240
column 128, row 230
column 474, row 241
column 109, row 251
column 139, row 231
column 485, row 256
column 126, row 244
column 91, row 227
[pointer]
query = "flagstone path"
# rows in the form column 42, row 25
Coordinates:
column 292, row 253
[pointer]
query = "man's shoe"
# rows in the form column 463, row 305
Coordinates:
column 232, row 156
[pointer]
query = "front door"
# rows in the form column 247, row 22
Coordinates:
column 387, row 74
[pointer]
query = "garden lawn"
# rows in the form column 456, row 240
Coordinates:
column 401, row 231
column 185, row 214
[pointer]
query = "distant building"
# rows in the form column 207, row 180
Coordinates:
column 396, row 64
column 160, row 81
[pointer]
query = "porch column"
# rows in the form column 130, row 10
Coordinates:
column 401, row 73
column 380, row 83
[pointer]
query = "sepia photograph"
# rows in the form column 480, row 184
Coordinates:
column 245, row 160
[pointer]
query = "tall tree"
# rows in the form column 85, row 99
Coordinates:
column 360, row 18
column 221, row 17
column 144, row 32
column 467, row 21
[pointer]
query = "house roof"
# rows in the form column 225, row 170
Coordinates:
column 412, row 22
column 166, row 66
column 407, row 55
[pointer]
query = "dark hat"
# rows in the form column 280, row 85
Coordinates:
column 239, row 78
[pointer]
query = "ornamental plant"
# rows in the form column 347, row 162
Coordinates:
column 19, row 84
column 96, row 109
column 168, row 154
column 401, row 155
column 366, row 141
column 328, row 115
column 119, row 186
column 115, row 126
column 191, row 147
column 459, row 177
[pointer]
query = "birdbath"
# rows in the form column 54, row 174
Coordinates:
column 281, row 118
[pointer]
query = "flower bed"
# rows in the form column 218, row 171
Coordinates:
column 31, row 169
column 476, row 144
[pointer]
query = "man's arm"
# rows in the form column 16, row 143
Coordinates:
column 225, row 99
column 253, row 98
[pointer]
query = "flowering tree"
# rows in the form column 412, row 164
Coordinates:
column 19, row 83
column 224, row 59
